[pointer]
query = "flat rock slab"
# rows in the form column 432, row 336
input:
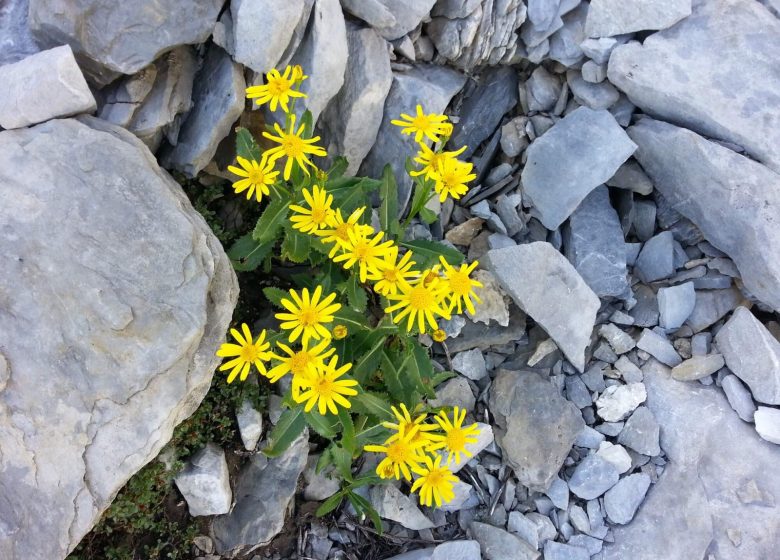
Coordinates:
column 116, row 296
column 537, row 426
column 617, row 17
column 733, row 200
column 685, row 75
column 719, row 484
column 547, row 287
column 579, row 153
column 497, row 544
column 43, row 86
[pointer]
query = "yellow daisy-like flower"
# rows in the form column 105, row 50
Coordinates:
column 308, row 315
column 406, row 423
column 455, row 435
column 301, row 363
column 317, row 216
column 365, row 251
column 420, row 302
column 451, row 177
column 278, row 89
column 340, row 228
column 294, row 147
column 432, row 125
column 390, row 273
column 326, row 390
column 400, row 454
column 461, row 285
column 247, row 352
column 430, row 159
column 436, row 483
column 257, row 177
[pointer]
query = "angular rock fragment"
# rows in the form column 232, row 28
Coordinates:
column 548, row 288
column 641, row 432
column 497, row 544
column 607, row 18
column 407, row 15
column 205, row 482
column 559, row 551
column 618, row 401
column 659, row 347
column 542, row 90
column 656, row 259
column 675, row 305
column 767, row 421
column 250, row 424
column 622, row 500
column 697, row 367
column 592, row 477
column 739, row 397
column 390, row 503
column 711, row 306
column 579, row 153
column 17, row 42
column 470, row 363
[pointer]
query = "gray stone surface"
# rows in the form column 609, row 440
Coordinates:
column 592, row 477
column 728, row 474
column 430, row 86
column 739, row 397
column 641, row 432
column 734, row 201
column 390, row 503
column 250, row 424
column 536, row 427
column 697, row 367
column 752, row 354
column 373, row 12
column 457, row 550
column 659, row 347
column 497, row 544
column 43, row 86
column 631, row 177
column 548, row 288
column 618, row 401
column 620, row 341
column 16, row 41
column 565, row 42
column 407, row 14
column 264, row 490
column 615, row 454
column 218, row 98
column 622, row 500
column 727, row 94
column 470, row 363
column 593, row 243
column 767, row 421
column 559, row 551
column 353, row 117
column 108, row 353
column 579, row 153
column 205, row 483
column 607, row 18
column 542, row 90
column 656, row 259
column 712, row 305
column 595, row 95
column 111, row 39
column 675, row 305
column 454, row 392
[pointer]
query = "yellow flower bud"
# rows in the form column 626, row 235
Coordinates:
column 439, row 335
column 339, row 332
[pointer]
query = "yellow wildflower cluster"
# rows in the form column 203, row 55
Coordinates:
column 416, row 446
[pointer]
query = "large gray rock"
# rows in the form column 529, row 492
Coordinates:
column 16, row 41
column 497, row 544
column 719, row 490
column 592, row 477
column 43, row 86
column 218, row 99
column 264, row 491
column 111, row 38
column 728, row 94
column 407, row 14
column 373, row 12
column 116, row 296
column 353, row 117
column 205, row 483
column 390, row 503
column 618, row 17
column 733, row 200
column 752, row 354
column 548, row 288
column 430, row 86
column 594, row 244
column 768, row 423
column 536, row 426
column 622, row 500
column 579, row 153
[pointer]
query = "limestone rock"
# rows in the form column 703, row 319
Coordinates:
column 250, row 424
column 43, row 86
column 17, row 42
column 641, row 432
column 622, row 500
column 592, row 477
column 494, row 303
column 390, row 503
column 618, row 401
column 548, row 288
column 112, row 321
column 497, row 544
column 767, row 421
column 618, row 17
column 408, row 14
column 205, row 482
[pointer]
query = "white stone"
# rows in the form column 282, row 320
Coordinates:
column 767, row 421
column 618, row 401
column 615, row 454
column 205, row 482
column 250, row 425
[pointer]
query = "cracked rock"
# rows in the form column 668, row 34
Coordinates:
column 205, row 483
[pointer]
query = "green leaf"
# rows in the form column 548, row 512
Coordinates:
column 347, row 430
column 352, row 200
column 247, row 254
column 427, row 253
column 343, row 461
column 290, row 426
column 427, row 215
column 367, row 364
column 388, row 211
column 391, row 373
column 271, row 220
column 420, row 369
column 356, row 295
column 338, row 168
column 295, row 246
column 307, row 120
column 373, row 404
column 362, row 505
column 275, row 296
column 351, row 319
column 330, row 504
column 325, row 425
column 365, row 480
column 440, row 377
column 325, row 460
column 246, row 146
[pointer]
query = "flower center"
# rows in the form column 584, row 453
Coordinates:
column 299, row 362
column 324, row 386
column 249, row 353
column 397, row 452
column 342, row 231
column 362, row 251
column 434, row 478
column 256, row 176
column 460, row 283
column 421, row 122
column 308, row 317
column 279, row 87
column 318, row 215
column 391, row 274
column 421, row 298
column 292, row 145
column 456, row 440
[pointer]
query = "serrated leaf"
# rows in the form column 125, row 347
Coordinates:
column 440, row 377
column 342, row 459
column 368, row 362
column 247, row 254
column 388, row 210
column 330, row 504
column 296, row 246
column 246, row 146
column 325, row 425
column 307, row 120
column 275, row 296
column 290, row 425
column 420, row 369
column 392, row 366
column 354, row 321
column 427, row 215
column 271, row 220
column 347, row 430
column 352, row 200
column 356, row 295
column 362, row 505
column 427, row 253
column 338, row 168
column 372, row 404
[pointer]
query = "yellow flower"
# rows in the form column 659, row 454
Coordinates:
column 247, row 352
column 430, row 160
column 401, row 453
column 455, row 435
column 364, row 250
column 301, row 363
column 435, row 483
column 340, row 331
column 279, row 88
column 307, row 315
column 339, row 233
column 439, row 335
column 294, row 147
column 390, row 273
column 318, row 215
column 326, row 390
column 421, row 301
column 257, row 177
column 406, row 423
column 431, row 125
column 451, row 177
column 461, row 286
